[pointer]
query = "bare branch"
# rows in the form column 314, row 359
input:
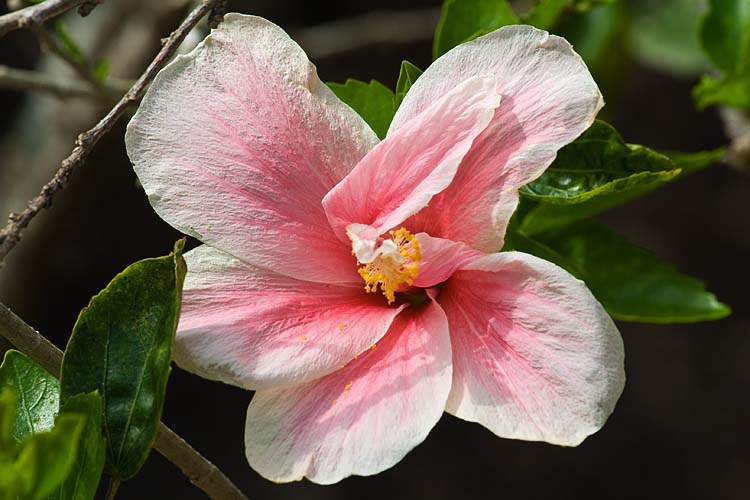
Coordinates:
column 387, row 27
column 35, row 81
column 81, row 67
column 195, row 466
column 17, row 222
column 36, row 15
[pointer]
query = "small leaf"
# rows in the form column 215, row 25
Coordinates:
column 101, row 70
column 545, row 14
column 373, row 101
column 629, row 281
column 82, row 481
column 42, row 460
column 121, row 347
column 594, row 173
column 37, row 391
column 69, row 44
column 406, row 78
column 464, row 20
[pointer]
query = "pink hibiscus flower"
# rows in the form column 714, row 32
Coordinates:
column 240, row 145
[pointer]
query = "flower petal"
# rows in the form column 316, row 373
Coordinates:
column 535, row 356
column 440, row 259
column 402, row 173
column 361, row 419
column 237, row 143
column 548, row 98
column 255, row 328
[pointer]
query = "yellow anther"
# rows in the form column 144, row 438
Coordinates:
column 392, row 269
column 348, row 386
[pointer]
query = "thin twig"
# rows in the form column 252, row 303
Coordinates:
column 35, row 81
column 377, row 28
column 197, row 468
column 114, row 485
column 35, row 15
column 17, row 222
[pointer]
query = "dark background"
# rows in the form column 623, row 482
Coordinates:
column 680, row 429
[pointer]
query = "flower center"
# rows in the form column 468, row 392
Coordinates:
column 385, row 264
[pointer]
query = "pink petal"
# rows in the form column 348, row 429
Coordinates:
column 361, row 419
column 440, row 258
column 535, row 356
column 237, row 143
column 402, row 173
column 548, row 99
column 255, row 328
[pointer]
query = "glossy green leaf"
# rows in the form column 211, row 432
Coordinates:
column 406, row 78
column 37, row 392
column 545, row 14
column 662, row 35
column 631, row 283
column 594, row 173
column 82, row 481
column 39, row 464
column 464, row 20
column 373, row 101
column 121, row 347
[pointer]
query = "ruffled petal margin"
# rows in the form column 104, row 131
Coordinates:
column 361, row 419
column 535, row 356
column 548, row 98
column 237, row 143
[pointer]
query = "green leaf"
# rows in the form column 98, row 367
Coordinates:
column 689, row 163
column 36, row 467
column 121, row 346
column 594, row 173
column 37, row 391
column 545, row 14
column 101, row 70
column 662, row 35
column 725, row 35
column 82, row 481
column 733, row 90
column 406, row 78
column 595, row 34
column 631, row 283
column 373, row 101
column 464, row 20
column 8, row 413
